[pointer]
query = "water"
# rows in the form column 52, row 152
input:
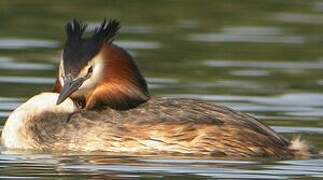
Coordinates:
column 260, row 57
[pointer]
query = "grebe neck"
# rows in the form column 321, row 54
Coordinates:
column 122, row 85
column 15, row 133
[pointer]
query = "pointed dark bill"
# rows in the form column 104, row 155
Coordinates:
column 68, row 89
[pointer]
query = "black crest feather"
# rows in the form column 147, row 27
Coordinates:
column 107, row 31
column 74, row 30
column 78, row 50
column 104, row 33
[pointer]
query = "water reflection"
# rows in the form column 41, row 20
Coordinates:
column 265, row 64
column 159, row 167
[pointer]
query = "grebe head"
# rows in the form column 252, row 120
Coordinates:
column 77, row 61
column 94, row 69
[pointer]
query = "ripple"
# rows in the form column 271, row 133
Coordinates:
column 314, row 113
column 162, row 80
column 298, row 18
column 217, row 37
column 308, row 162
column 138, row 29
column 248, row 35
column 253, row 30
column 17, row 177
column 9, row 64
column 142, row 166
column 144, row 169
column 9, row 105
column 158, row 83
column 312, row 168
column 26, row 80
column 9, row 99
column 138, row 44
column 26, row 43
column 188, row 24
column 241, row 175
column 4, row 114
column 250, row 73
column 200, row 170
column 28, row 157
column 264, row 64
column 5, row 60
column 224, row 83
column 298, row 130
column 195, row 161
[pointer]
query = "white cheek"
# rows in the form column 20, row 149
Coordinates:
column 61, row 81
column 61, row 72
column 94, row 79
column 88, row 84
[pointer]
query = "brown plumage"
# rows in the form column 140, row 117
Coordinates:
column 121, row 86
column 161, row 125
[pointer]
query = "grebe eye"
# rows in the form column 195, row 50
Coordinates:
column 90, row 70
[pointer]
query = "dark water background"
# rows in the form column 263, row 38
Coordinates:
column 260, row 57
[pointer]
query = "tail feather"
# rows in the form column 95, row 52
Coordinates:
column 300, row 148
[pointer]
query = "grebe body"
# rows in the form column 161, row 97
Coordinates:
column 161, row 125
column 101, row 103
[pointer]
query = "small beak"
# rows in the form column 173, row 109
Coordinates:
column 68, row 89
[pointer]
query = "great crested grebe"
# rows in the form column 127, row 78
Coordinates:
column 117, row 114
